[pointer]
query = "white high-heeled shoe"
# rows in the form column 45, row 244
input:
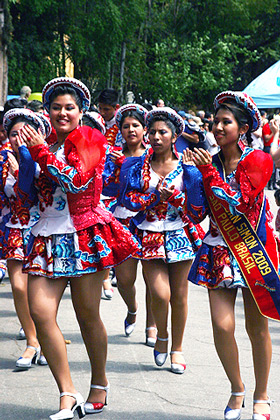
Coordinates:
column 21, row 334
column 68, row 413
column 160, row 358
column 235, row 414
column 257, row 416
column 150, row 341
column 42, row 361
column 97, row 407
column 108, row 293
column 129, row 328
column 177, row 367
column 26, row 362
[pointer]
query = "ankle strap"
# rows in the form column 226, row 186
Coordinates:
column 103, row 388
column 132, row 313
column 162, row 339
column 268, row 401
column 239, row 394
column 37, row 349
column 176, row 352
column 69, row 394
column 151, row 328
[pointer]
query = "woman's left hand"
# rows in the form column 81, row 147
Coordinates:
column 202, row 157
column 165, row 192
column 30, row 136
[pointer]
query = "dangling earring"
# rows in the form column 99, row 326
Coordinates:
column 241, row 138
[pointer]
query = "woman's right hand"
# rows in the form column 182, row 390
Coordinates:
column 202, row 157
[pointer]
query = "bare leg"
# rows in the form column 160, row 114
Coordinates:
column 44, row 297
column 157, row 277
column 19, row 288
column 222, row 303
column 150, row 321
column 86, row 295
column 126, row 276
column 178, row 277
column 258, row 332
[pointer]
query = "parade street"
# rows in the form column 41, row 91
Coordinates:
column 139, row 390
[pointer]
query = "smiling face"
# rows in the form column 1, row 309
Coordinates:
column 161, row 137
column 13, row 135
column 132, row 131
column 226, row 128
column 65, row 115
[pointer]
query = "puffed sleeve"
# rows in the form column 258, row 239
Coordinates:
column 252, row 174
column 82, row 157
column 111, row 176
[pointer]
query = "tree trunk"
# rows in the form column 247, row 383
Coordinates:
column 122, row 70
column 3, row 60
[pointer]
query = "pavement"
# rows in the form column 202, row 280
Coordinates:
column 139, row 389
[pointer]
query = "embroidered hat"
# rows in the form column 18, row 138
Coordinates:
column 169, row 113
column 76, row 84
column 46, row 122
column 97, row 118
column 25, row 113
column 130, row 107
column 241, row 98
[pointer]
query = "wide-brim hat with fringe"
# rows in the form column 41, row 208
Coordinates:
column 97, row 118
column 241, row 98
column 27, row 114
column 169, row 113
column 130, row 107
column 76, row 84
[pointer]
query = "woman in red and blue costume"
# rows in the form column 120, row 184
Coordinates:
column 130, row 119
column 167, row 237
column 240, row 249
column 75, row 240
column 15, row 233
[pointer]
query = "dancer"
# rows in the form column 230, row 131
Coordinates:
column 16, row 234
column 240, row 250
column 154, row 187
column 130, row 119
column 75, row 240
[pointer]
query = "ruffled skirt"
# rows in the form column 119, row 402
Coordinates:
column 86, row 251
column 215, row 267
column 171, row 246
column 15, row 243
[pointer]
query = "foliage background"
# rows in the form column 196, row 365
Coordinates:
column 184, row 51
